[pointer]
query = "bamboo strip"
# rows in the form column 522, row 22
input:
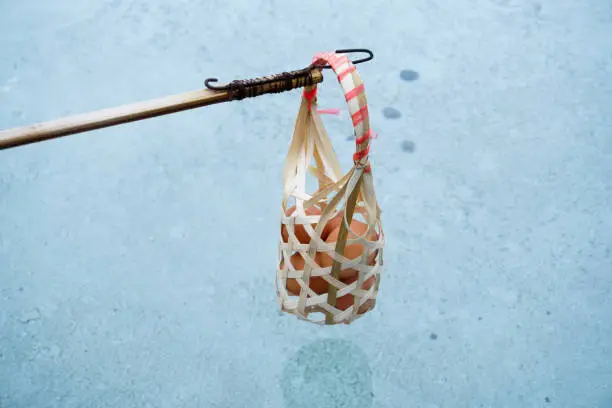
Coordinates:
column 340, row 246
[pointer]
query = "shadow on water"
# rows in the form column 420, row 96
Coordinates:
column 328, row 373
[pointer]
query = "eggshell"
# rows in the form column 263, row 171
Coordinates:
column 317, row 283
column 347, row 301
column 335, row 222
column 348, row 276
column 300, row 232
column 320, row 285
column 351, row 251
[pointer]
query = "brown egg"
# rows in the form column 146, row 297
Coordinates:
column 337, row 220
column 331, row 225
column 348, row 276
column 320, row 286
column 317, row 283
column 351, row 251
column 347, row 301
column 300, row 232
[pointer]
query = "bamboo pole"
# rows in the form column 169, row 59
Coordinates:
column 156, row 107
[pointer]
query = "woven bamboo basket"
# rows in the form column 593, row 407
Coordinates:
column 330, row 253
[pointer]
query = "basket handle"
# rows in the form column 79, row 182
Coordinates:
column 354, row 93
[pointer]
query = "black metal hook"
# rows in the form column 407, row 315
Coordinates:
column 215, row 88
column 352, row 50
column 229, row 86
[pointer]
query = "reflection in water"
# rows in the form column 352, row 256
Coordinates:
column 328, row 373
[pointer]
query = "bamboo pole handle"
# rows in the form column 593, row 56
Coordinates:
column 156, row 107
column 108, row 117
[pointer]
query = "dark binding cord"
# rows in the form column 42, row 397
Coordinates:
column 248, row 88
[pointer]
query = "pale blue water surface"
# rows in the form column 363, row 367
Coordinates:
column 137, row 262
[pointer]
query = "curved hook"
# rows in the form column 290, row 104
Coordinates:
column 215, row 88
column 352, row 50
